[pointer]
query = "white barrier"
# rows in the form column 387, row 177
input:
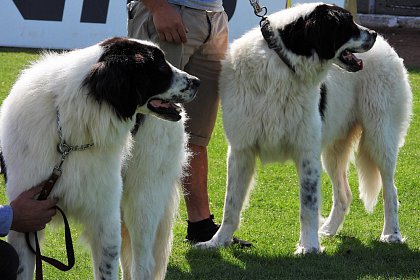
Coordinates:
column 68, row 24
column 57, row 23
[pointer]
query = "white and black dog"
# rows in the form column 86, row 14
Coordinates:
column 270, row 105
column 96, row 93
column 372, row 108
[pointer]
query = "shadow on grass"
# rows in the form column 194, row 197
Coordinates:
column 413, row 69
column 352, row 260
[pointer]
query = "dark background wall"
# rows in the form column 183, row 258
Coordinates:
column 389, row 7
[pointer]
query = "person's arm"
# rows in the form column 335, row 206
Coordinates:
column 167, row 20
column 6, row 217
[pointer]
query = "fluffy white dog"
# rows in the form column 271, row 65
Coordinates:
column 270, row 99
column 373, row 107
column 92, row 96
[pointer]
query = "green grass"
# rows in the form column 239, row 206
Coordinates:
column 272, row 223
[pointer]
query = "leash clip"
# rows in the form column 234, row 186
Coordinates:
column 258, row 10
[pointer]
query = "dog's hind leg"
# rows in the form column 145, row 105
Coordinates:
column 163, row 240
column 335, row 159
column 381, row 148
column 126, row 256
column 240, row 171
column 26, row 257
column 391, row 230
column 148, row 226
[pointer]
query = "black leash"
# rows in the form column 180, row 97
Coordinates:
column 268, row 33
column 48, row 185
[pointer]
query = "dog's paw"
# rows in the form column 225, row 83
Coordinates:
column 305, row 251
column 211, row 244
column 327, row 230
column 395, row 238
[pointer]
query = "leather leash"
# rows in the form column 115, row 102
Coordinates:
column 268, row 33
column 64, row 149
column 48, row 185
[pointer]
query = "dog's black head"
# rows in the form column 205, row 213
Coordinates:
column 330, row 32
column 134, row 76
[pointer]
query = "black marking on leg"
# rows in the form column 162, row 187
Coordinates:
column 310, row 185
column 305, row 164
column 323, row 100
column 310, row 201
column 106, row 271
column 309, row 193
column 20, row 270
column 110, row 252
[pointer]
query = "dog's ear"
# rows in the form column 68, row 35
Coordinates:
column 321, row 32
column 311, row 34
column 293, row 37
column 116, row 81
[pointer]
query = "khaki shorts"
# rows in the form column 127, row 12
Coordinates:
column 207, row 41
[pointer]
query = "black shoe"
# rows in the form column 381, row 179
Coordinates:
column 204, row 230
column 201, row 231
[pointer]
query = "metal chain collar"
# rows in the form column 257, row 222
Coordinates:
column 64, row 149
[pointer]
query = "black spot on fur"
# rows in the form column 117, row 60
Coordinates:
column 127, row 74
column 309, row 186
column 323, row 100
column 309, row 195
column 322, row 31
column 110, row 252
column 3, row 167
column 305, row 163
column 310, row 201
column 106, row 271
column 139, row 122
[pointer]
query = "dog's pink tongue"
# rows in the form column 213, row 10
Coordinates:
column 158, row 103
column 353, row 60
column 358, row 61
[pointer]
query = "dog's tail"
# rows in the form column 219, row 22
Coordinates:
column 370, row 181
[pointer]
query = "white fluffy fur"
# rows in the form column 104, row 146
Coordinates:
column 373, row 105
column 91, row 186
column 272, row 113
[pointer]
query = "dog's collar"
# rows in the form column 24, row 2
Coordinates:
column 268, row 34
column 65, row 149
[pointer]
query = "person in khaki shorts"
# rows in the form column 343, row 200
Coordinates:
column 194, row 36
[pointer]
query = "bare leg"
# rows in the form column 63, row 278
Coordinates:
column 195, row 185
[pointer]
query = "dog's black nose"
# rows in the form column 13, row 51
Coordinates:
column 195, row 82
column 373, row 34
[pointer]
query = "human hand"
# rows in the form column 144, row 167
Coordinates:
column 29, row 214
column 167, row 21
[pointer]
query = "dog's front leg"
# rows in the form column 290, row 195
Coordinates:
column 240, row 171
column 105, row 241
column 26, row 257
column 309, row 169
